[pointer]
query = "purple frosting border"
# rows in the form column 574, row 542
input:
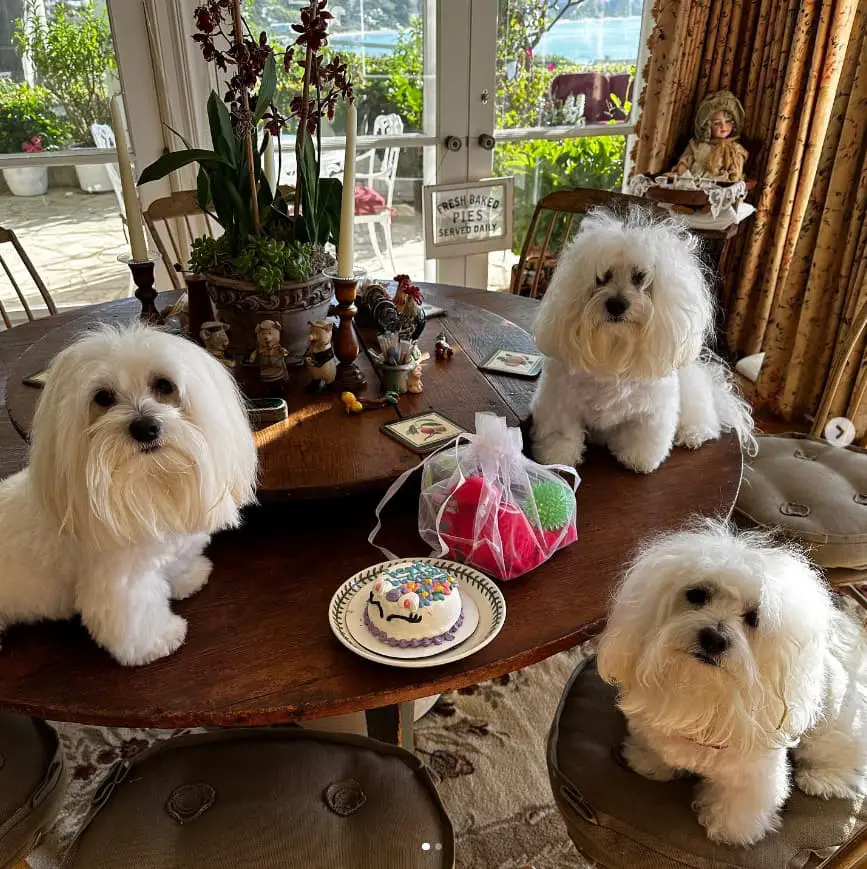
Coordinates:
column 424, row 642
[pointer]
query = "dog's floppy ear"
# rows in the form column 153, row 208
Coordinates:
column 800, row 618
column 58, row 448
column 217, row 407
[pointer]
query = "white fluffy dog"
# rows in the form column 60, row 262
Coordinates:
column 728, row 651
column 623, row 326
column 141, row 449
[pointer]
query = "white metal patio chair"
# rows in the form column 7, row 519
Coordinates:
column 375, row 179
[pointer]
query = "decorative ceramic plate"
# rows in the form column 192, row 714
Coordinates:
column 484, row 617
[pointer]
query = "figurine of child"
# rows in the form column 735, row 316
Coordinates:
column 216, row 339
column 270, row 355
column 714, row 153
column 413, row 379
column 320, row 359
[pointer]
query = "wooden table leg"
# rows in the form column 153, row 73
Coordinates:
column 392, row 724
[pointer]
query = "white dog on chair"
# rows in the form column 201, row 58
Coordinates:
column 623, row 326
column 728, row 652
column 141, row 449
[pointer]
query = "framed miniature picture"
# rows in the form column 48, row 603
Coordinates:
column 514, row 362
column 424, row 431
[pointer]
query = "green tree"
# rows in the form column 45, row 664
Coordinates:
column 72, row 53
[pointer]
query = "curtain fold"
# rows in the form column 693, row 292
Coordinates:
column 795, row 277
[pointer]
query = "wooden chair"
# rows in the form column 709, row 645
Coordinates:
column 7, row 236
column 169, row 221
column 554, row 221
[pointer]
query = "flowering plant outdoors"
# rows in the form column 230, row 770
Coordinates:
column 269, row 236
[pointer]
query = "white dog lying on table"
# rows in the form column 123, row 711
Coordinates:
column 141, row 449
column 623, row 326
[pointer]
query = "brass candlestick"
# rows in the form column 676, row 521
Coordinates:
column 349, row 377
column 143, row 277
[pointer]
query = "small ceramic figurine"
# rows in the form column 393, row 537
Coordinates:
column 413, row 380
column 270, row 355
column 408, row 301
column 714, row 153
column 216, row 339
column 443, row 348
column 320, row 359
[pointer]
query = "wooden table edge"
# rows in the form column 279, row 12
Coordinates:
column 274, row 715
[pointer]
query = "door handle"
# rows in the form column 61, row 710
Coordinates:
column 487, row 141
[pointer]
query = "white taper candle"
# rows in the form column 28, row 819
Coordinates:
column 270, row 167
column 347, row 206
column 134, row 225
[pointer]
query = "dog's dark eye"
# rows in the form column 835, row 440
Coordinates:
column 104, row 398
column 751, row 618
column 697, row 596
column 600, row 282
column 638, row 277
column 163, row 386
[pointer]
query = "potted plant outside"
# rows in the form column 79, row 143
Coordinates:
column 269, row 262
column 72, row 52
column 28, row 124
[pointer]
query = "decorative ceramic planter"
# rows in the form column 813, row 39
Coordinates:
column 240, row 305
column 32, row 181
column 94, row 178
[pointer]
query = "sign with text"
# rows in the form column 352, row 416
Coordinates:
column 468, row 218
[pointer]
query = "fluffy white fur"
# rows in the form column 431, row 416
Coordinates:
column 112, row 527
column 795, row 680
column 638, row 379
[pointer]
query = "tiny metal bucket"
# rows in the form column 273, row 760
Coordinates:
column 393, row 377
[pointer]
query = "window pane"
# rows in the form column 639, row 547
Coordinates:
column 382, row 42
column 566, row 62
column 66, row 217
column 541, row 166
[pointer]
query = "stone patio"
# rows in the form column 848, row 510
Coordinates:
column 75, row 238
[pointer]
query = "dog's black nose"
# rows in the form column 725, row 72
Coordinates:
column 616, row 306
column 145, row 429
column 713, row 640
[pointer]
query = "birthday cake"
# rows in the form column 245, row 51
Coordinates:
column 414, row 604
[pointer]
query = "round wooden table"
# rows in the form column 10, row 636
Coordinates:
column 259, row 649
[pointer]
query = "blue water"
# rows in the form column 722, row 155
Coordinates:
column 589, row 40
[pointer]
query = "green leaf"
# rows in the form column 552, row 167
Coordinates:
column 267, row 88
column 242, row 210
column 222, row 135
column 223, row 206
column 330, row 196
column 176, row 160
column 308, row 177
column 203, row 189
column 187, row 145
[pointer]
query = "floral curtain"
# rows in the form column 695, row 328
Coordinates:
column 795, row 276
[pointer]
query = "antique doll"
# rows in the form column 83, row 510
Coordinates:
column 714, row 153
column 321, row 363
column 270, row 355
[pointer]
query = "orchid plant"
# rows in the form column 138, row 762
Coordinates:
column 268, row 236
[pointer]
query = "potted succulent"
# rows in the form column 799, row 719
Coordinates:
column 28, row 124
column 269, row 262
column 73, row 55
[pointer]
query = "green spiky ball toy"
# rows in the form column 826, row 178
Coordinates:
column 552, row 503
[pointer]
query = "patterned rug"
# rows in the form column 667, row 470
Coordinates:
column 484, row 745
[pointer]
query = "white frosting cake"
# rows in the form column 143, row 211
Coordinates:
column 413, row 603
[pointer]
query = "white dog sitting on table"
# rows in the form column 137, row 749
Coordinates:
column 141, row 449
column 623, row 325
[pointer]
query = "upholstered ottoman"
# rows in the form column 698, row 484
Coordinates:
column 812, row 491
column 32, row 784
column 620, row 820
column 281, row 798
